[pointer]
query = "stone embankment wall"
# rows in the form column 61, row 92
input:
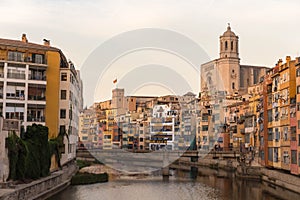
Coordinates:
column 44, row 187
column 270, row 176
column 281, row 179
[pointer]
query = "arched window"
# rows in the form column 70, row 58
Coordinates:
column 233, row 86
column 226, row 45
column 231, row 46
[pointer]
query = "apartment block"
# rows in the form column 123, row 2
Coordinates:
column 30, row 88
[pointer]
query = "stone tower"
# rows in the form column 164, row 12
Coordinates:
column 117, row 101
column 229, row 61
column 229, row 43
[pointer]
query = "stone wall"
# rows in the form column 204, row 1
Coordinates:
column 4, row 162
column 272, row 177
column 45, row 187
column 275, row 177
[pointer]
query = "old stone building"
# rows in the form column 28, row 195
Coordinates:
column 225, row 73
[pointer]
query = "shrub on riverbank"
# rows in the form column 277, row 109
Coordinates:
column 82, row 163
column 87, row 178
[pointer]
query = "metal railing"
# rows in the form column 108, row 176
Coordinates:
column 36, row 98
column 36, row 119
column 16, row 75
column 36, row 77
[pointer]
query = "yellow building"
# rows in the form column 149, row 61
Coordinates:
column 30, row 82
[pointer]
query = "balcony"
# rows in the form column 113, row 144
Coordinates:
column 161, row 120
column 37, row 77
column 36, row 119
column 36, row 98
column 16, row 75
column 13, row 96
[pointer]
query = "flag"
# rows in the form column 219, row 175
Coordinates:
column 115, row 81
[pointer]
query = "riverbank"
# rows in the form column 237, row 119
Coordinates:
column 42, row 188
column 274, row 178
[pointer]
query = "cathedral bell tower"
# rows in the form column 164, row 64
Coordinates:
column 229, row 43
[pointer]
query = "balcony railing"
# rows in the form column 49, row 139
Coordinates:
column 161, row 120
column 36, row 98
column 36, row 119
column 16, row 75
column 13, row 97
column 36, row 77
column 15, row 117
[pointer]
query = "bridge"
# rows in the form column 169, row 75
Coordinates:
column 142, row 161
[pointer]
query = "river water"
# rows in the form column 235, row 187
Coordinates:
column 209, row 184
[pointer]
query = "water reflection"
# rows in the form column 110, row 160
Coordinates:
column 209, row 184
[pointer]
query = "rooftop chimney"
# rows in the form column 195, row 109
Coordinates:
column 46, row 42
column 24, row 38
column 279, row 62
column 288, row 59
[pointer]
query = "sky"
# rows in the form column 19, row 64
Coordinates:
column 267, row 30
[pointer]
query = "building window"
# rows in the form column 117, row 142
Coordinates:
column 64, row 77
column 231, row 45
column 293, row 133
column 62, row 129
column 298, row 106
column 270, row 117
column 63, row 113
column 285, row 133
column 277, row 135
column 38, row 59
column 270, row 134
column 298, row 89
column 270, row 154
column 286, row 157
column 63, row 94
column 233, row 86
column 226, row 45
column 276, row 157
column 294, row 157
column 204, row 128
column 298, row 72
column 15, row 56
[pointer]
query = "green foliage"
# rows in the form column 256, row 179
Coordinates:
column 86, row 178
column 83, row 163
column 54, row 150
column 30, row 157
column 13, row 152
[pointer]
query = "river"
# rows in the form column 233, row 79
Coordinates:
column 207, row 185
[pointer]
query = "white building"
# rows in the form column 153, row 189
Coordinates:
column 162, row 128
column 70, row 105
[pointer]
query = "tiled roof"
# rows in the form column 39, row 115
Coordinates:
column 18, row 43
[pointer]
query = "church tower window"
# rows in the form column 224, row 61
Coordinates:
column 226, row 45
column 231, row 45
column 233, row 86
